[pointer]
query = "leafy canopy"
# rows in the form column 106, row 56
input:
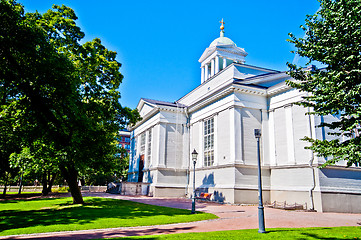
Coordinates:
column 333, row 38
column 59, row 98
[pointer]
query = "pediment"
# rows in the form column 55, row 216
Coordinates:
column 144, row 107
column 229, row 51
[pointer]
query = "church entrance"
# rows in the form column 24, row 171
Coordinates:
column 141, row 167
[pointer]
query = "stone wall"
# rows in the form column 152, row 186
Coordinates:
column 132, row 188
column 53, row 189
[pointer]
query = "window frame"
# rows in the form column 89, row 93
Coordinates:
column 208, row 142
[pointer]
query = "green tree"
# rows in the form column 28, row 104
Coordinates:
column 65, row 94
column 333, row 38
column 115, row 169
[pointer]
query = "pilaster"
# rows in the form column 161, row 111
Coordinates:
column 265, row 155
column 271, row 139
column 146, row 152
column 217, row 64
column 215, row 141
column 200, row 161
column 161, row 144
column 289, row 134
column 232, row 136
column 206, row 72
column 202, row 74
column 212, row 67
column 185, row 148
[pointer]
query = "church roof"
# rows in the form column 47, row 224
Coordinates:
column 252, row 85
column 224, row 47
column 163, row 103
column 222, row 41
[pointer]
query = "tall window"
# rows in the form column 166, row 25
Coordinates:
column 209, row 142
column 133, row 148
column 142, row 143
column 149, row 145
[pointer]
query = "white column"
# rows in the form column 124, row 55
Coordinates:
column 215, row 141
column 265, row 137
column 272, row 143
column 202, row 74
column 212, row 67
column 146, row 153
column 232, row 136
column 185, row 147
column 224, row 63
column 206, row 72
column 200, row 161
column 289, row 134
column 238, row 140
column 217, row 65
column 161, row 144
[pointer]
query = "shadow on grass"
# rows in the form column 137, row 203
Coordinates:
column 5, row 201
column 118, row 234
column 316, row 236
column 175, row 203
column 300, row 233
column 63, row 213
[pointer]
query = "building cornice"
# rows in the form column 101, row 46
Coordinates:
column 281, row 87
column 145, row 118
column 156, row 110
column 167, row 169
column 207, row 81
column 225, row 91
column 230, row 165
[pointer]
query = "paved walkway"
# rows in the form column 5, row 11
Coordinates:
column 231, row 217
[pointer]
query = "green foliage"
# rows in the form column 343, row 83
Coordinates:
column 34, row 216
column 62, row 190
column 117, row 171
column 333, row 38
column 59, row 98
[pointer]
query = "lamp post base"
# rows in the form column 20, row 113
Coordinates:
column 261, row 220
column 193, row 206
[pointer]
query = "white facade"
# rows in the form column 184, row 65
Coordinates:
column 218, row 119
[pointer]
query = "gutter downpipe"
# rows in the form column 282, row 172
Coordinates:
column 188, row 150
column 312, row 207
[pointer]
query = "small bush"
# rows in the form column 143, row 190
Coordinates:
column 62, row 189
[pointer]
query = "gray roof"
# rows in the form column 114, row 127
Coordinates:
column 261, row 75
column 163, row 103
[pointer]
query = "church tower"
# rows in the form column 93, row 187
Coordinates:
column 220, row 53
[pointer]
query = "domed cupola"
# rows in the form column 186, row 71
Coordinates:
column 220, row 53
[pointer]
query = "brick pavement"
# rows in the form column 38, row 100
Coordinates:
column 231, row 217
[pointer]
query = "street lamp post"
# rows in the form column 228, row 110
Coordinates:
column 261, row 227
column 194, row 158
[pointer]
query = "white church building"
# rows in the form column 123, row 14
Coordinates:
column 218, row 119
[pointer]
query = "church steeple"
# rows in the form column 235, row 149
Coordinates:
column 220, row 53
column 222, row 28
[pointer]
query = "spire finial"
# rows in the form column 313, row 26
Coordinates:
column 222, row 28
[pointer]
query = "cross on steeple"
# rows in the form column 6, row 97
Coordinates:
column 222, row 28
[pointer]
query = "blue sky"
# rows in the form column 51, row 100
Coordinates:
column 159, row 42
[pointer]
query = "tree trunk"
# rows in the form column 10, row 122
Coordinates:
column 5, row 184
column 51, row 181
column 45, row 184
column 21, row 183
column 71, row 176
column 4, row 191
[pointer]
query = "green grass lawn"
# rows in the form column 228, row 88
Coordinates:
column 275, row 234
column 59, row 214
